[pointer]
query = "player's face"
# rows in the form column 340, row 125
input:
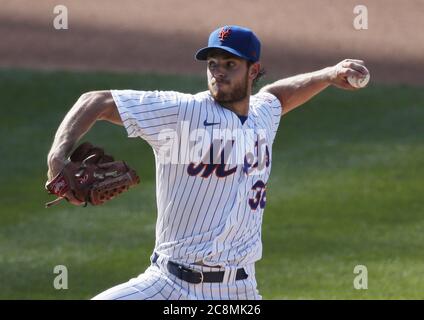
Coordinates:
column 228, row 79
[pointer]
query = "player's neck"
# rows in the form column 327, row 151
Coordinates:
column 240, row 108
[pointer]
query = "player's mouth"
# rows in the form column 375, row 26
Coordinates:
column 219, row 83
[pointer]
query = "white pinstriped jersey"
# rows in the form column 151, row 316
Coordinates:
column 210, row 212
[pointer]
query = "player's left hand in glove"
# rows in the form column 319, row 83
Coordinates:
column 91, row 176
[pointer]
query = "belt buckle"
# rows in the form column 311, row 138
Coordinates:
column 195, row 272
column 185, row 270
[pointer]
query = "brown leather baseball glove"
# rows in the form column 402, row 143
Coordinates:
column 91, row 176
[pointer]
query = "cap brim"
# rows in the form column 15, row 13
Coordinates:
column 202, row 54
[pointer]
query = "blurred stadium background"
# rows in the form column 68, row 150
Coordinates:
column 347, row 181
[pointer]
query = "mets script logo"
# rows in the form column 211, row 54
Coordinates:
column 224, row 33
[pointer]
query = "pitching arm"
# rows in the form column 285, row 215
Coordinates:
column 295, row 91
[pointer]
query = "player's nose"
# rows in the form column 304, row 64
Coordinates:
column 219, row 73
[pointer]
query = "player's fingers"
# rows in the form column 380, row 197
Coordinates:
column 356, row 60
column 355, row 65
column 346, row 72
column 360, row 68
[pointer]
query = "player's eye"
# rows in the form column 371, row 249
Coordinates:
column 231, row 64
column 211, row 64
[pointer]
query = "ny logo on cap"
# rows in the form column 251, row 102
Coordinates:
column 224, row 33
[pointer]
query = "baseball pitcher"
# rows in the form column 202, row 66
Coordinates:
column 213, row 154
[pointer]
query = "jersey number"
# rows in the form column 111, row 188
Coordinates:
column 260, row 197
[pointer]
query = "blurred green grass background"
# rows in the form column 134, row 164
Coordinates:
column 346, row 189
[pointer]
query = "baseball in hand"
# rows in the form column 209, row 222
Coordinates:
column 358, row 82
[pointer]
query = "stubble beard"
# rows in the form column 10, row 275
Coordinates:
column 236, row 94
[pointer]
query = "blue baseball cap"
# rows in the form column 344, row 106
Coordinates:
column 237, row 40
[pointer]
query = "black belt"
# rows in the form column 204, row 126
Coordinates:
column 194, row 276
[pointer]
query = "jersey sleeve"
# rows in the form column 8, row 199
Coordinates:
column 146, row 114
column 272, row 108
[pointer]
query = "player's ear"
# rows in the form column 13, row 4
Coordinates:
column 254, row 70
